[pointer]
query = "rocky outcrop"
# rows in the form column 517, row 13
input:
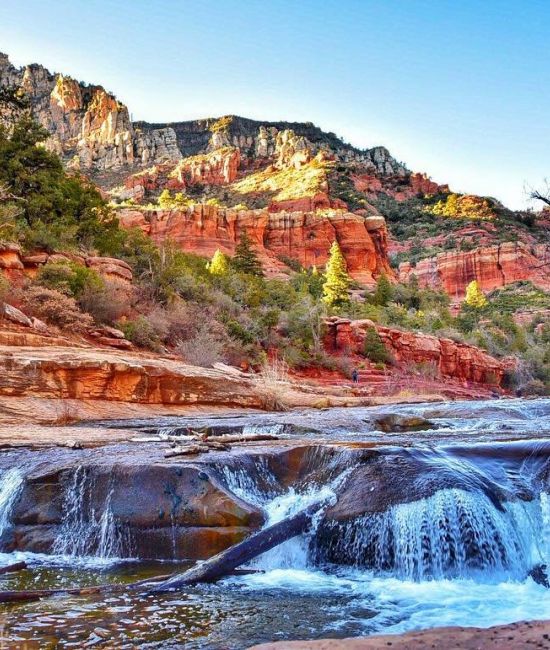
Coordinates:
column 90, row 129
column 304, row 236
column 16, row 265
column 491, row 266
column 450, row 358
column 400, row 186
column 516, row 636
column 93, row 374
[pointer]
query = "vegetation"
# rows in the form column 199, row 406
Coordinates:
column 219, row 264
column 245, row 260
column 374, row 349
column 337, row 282
column 475, row 298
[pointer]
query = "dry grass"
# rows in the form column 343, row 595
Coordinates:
column 275, row 384
column 65, row 413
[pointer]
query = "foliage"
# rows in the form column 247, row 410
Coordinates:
column 142, row 333
column 475, row 298
column 337, row 282
column 383, row 292
column 245, row 259
column 69, row 277
column 219, row 264
column 57, row 210
column 374, row 349
column 55, row 308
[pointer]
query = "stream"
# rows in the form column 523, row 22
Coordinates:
column 438, row 526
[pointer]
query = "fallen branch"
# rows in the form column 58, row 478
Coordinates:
column 223, row 563
column 11, row 568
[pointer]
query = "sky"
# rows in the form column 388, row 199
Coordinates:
column 457, row 89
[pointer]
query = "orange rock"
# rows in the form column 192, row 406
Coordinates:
column 304, row 236
column 491, row 266
column 451, row 358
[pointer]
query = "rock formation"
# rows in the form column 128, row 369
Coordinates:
column 492, row 267
column 304, row 236
column 449, row 358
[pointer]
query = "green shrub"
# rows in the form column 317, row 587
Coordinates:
column 142, row 333
column 374, row 349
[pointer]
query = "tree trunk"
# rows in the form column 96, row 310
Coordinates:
column 226, row 561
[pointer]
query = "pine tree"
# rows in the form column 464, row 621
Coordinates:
column 475, row 298
column 374, row 348
column 337, row 283
column 384, row 291
column 218, row 264
column 246, row 260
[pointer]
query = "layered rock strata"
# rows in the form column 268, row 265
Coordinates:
column 303, row 236
column 450, row 358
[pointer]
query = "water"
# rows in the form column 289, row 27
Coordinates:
column 459, row 556
column 86, row 532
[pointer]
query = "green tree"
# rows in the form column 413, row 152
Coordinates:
column 475, row 298
column 53, row 209
column 218, row 264
column 245, row 259
column 165, row 200
column 384, row 291
column 374, row 349
column 337, row 283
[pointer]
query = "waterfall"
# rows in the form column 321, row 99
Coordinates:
column 11, row 483
column 87, row 531
column 453, row 533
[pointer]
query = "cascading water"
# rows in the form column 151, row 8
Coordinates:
column 453, row 533
column 11, row 483
column 85, row 531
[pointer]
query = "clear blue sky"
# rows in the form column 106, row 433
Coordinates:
column 457, row 88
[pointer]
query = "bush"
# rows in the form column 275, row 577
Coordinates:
column 55, row 308
column 374, row 349
column 68, row 277
column 204, row 348
column 107, row 303
column 142, row 333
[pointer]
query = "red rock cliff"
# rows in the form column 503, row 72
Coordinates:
column 452, row 359
column 491, row 266
column 305, row 236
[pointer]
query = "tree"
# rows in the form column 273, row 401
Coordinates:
column 165, row 200
column 374, row 348
column 245, row 259
column 475, row 298
column 384, row 291
column 218, row 264
column 50, row 208
column 337, row 283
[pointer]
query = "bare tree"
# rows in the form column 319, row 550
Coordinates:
column 541, row 195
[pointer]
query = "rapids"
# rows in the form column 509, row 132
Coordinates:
column 440, row 526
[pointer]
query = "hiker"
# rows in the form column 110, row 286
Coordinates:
column 355, row 376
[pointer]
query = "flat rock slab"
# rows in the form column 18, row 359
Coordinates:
column 535, row 634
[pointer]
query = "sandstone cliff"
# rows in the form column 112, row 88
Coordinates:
column 304, row 236
column 492, row 266
column 450, row 358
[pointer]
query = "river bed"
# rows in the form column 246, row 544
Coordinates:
column 422, row 571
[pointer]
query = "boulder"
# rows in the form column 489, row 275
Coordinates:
column 15, row 315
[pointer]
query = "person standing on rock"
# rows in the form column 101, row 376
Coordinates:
column 355, row 376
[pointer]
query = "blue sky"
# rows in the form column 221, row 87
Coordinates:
column 459, row 89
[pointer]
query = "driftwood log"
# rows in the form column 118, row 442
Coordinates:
column 218, row 566
column 11, row 568
column 223, row 563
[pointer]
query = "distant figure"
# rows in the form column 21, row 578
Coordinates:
column 355, row 376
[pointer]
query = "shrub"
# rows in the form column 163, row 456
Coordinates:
column 142, row 333
column 374, row 349
column 204, row 348
column 56, row 308
column 107, row 303
column 69, row 278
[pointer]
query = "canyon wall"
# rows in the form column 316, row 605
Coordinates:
column 450, row 358
column 303, row 236
column 492, row 267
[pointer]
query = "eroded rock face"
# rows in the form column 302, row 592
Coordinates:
column 304, row 236
column 450, row 358
column 491, row 266
column 162, row 511
column 91, row 374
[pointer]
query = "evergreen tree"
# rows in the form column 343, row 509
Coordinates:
column 337, row 283
column 384, row 291
column 374, row 349
column 218, row 264
column 245, row 259
column 475, row 298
